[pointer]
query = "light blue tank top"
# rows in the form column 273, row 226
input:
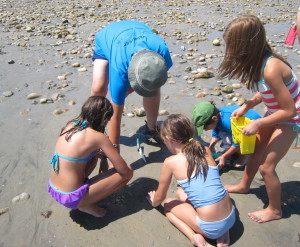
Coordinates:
column 203, row 193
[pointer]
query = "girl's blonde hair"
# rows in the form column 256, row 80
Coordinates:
column 181, row 130
column 246, row 50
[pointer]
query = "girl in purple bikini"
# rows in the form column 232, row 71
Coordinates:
column 79, row 146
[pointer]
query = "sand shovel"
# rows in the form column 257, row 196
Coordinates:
column 140, row 149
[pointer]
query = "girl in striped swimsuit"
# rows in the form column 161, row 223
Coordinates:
column 249, row 57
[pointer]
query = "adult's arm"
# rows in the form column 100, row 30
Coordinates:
column 100, row 78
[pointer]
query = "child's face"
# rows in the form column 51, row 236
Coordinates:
column 211, row 126
column 213, row 123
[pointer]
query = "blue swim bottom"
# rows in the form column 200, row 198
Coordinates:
column 216, row 229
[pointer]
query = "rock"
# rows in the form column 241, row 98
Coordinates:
column 227, row 89
column 296, row 164
column 241, row 101
column 140, row 112
column 216, row 93
column 130, row 115
column 7, row 93
column 82, row 69
column 57, row 112
column 21, row 197
column 237, row 85
column 11, row 61
column 33, row 96
column 229, row 96
column 204, row 73
column 200, row 95
column 46, row 100
column 71, row 102
column 61, row 77
column 163, row 113
column 43, row 100
column 75, row 65
column 3, row 210
column 216, row 42
column 87, row 55
column 55, row 96
column 46, row 213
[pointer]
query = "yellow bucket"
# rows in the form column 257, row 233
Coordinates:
column 247, row 143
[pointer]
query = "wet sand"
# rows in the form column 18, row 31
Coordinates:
column 40, row 44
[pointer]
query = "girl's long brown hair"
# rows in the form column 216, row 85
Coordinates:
column 180, row 129
column 246, row 50
column 96, row 111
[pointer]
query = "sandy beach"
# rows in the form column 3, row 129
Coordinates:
column 46, row 75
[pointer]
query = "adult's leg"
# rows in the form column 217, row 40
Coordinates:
column 151, row 105
column 279, row 144
column 100, row 187
column 183, row 216
column 100, row 78
column 254, row 161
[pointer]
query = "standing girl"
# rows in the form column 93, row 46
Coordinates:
column 76, row 154
column 249, row 57
column 203, row 207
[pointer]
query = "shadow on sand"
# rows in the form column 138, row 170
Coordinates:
column 127, row 201
column 290, row 197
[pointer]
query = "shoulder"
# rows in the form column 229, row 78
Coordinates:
column 275, row 67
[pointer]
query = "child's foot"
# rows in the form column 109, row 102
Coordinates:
column 265, row 215
column 237, row 188
column 93, row 210
column 224, row 240
column 241, row 161
column 199, row 241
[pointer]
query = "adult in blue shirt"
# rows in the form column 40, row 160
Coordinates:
column 129, row 57
column 206, row 116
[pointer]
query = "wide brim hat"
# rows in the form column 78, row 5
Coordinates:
column 147, row 72
column 202, row 112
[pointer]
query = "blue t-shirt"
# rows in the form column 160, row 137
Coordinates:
column 117, row 43
column 224, row 123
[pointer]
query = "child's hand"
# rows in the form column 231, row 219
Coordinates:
column 251, row 129
column 221, row 160
column 239, row 112
column 150, row 197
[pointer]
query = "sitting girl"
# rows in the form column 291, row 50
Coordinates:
column 203, row 207
column 76, row 154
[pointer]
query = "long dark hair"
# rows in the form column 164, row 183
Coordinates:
column 180, row 129
column 246, row 49
column 95, row 113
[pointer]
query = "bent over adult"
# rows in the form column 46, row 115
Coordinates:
column 129, row 57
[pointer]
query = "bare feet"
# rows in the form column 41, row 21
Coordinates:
column 265, row 215
column 93, row 210
column 224, row 240
column 199, row 241
column 237, row 188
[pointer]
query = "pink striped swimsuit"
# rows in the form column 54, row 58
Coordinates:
column 270, row 101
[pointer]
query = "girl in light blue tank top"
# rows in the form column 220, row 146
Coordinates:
column 201, row 199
